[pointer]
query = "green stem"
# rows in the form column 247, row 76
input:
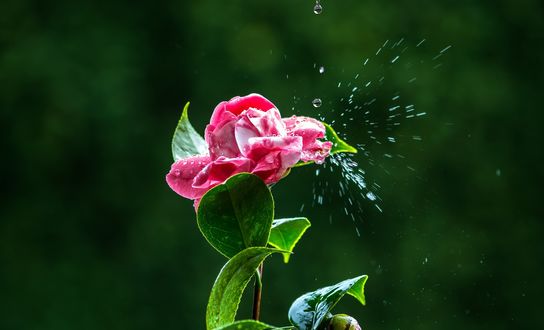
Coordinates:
column 257, row 293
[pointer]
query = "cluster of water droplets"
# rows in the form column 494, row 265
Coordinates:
column 361, row 111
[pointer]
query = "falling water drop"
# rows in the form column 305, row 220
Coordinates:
column 321, row 69
column 317, row 8
column 317, row 103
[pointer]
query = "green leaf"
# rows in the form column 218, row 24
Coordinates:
column 338, row 145
column 186, row 141
column 230, row 284
column 286, row 233
column 310, row 310
column 237, row 214
column 250, row 325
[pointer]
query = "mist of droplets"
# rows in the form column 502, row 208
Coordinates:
column 360, row 109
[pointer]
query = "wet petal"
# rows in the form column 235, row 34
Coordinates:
column 273, row 156
column 268, row 123
column 227, row 109
column 220, row 170
column 317, row 151
column 311, row 130
column 221, row 141
column 182, row 173
column 308, row 128
column 256, row 123
column 243, row 131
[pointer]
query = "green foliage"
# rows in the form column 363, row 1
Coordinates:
column 249, row 325
column 230, row 284
column 285, row 234
column 237, row 214
column 310, row 310
column 186, row 141
column 338, row 145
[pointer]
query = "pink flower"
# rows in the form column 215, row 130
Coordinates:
column 247, row 134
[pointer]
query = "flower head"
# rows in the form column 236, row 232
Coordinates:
column 247, row 134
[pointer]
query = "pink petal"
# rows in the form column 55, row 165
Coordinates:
column 273, row 156
column 225, row 110
column 243, row 131
column 310, row 130
column 182, row 173
column 268, row 123
column 220, row 170
column 196, row 202
column 221, row 114
column 316, row 152
column 221, row 140
column 255, row 123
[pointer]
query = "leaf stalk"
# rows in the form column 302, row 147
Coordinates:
column 257, row 293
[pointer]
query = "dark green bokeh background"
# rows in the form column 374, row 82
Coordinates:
column 91, row 237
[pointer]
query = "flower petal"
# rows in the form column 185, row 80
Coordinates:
column 268, row 123
column 243, row 131
column 225, row 110
column 182, row 173
column 310, row 130
column 317, row 151
column 220, row 170
column 257, row 123
column 221, row 140
column 274, row 156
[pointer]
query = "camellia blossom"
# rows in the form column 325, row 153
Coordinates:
column 247, row 134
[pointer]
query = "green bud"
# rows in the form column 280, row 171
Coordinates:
column 343, row 322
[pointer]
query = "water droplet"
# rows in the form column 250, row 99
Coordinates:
column 316, row 103
column 370, row 195
column 321, row 69
column 317, row 8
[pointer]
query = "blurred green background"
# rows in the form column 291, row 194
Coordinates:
column 91, row 237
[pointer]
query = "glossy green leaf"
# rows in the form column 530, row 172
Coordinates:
column 285, row 234
column 230, row 284
column 338, row 145
column 310, row 310
column 237, row 214
column 250, row 325
column 186, row 141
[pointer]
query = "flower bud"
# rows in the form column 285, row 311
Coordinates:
column 343, row 322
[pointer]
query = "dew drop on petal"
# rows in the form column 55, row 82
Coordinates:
column 316, row 103
column 317, row 8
